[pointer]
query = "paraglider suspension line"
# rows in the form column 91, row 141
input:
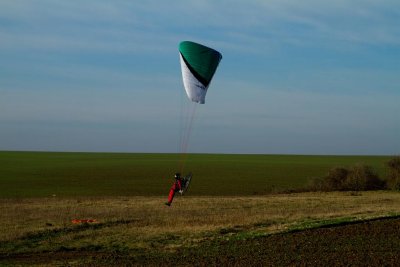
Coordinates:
column 186, row 137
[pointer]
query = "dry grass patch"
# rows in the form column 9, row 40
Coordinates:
column 145, row 222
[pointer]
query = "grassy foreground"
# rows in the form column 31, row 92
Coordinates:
column 140, row 230
column 231, row 216
column 43, row 174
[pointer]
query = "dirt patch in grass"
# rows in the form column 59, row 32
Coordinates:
column 372, row 243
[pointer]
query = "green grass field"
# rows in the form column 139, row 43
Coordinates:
column 231, row 215
column 42, row 174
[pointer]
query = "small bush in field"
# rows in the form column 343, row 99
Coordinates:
column 393, row 179
column 357, row 178
column 316, row 184
column 361, row 177
column 336, row 179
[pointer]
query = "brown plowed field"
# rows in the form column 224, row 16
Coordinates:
column 371, row 243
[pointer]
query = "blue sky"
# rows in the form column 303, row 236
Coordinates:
column 297, row 77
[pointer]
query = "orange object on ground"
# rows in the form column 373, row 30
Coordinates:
column 77, row 221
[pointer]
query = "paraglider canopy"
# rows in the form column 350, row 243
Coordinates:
column 198, row 64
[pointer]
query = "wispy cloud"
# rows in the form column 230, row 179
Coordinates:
column 137, row 26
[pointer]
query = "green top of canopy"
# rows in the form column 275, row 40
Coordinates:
column 201, row 60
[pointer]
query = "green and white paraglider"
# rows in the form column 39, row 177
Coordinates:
column 198, row 63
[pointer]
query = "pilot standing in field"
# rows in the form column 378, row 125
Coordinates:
column 177, row 186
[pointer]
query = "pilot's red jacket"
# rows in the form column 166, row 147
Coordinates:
column 174, row 188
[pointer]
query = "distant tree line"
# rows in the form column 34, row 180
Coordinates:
column 359, row 178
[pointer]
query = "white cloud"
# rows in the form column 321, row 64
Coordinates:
column 148, row 26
